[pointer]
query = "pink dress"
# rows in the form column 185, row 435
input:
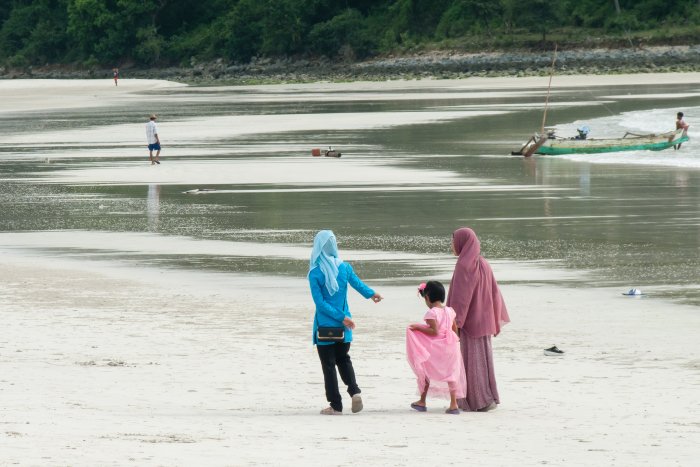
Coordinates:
column 437, row 359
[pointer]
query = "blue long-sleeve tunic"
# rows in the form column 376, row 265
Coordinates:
column 331, row 310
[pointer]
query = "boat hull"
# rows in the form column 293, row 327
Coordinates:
column 554, row 147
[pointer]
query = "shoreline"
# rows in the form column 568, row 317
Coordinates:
column 20, row 95
column 434, row 64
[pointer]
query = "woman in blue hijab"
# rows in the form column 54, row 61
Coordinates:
column 329, row 277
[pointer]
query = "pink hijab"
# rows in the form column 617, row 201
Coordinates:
column 474, row 293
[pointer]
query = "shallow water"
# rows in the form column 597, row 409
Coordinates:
column 417, row 163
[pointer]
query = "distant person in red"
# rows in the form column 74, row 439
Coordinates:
column 115, row 72
column 680, row 124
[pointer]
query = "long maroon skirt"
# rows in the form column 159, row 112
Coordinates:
column 481, row 380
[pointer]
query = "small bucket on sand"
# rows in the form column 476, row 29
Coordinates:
column 316, row 152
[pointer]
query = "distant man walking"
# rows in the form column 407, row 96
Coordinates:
column 115, row 73
column 153, row 139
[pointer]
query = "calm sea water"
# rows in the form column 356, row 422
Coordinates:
column 417, row 163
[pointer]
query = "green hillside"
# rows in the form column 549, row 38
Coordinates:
column 171, row 32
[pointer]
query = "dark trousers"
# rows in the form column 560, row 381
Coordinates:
column 337, row 355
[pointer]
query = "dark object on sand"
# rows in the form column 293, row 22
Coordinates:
column 633, row 293
column 316, row 152
column 553, row 351
column 197, row 191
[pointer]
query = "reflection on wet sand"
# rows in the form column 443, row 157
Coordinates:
column 153, row 206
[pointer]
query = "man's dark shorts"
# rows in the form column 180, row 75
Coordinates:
column 154, row 147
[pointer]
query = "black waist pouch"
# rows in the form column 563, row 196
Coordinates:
column 324, row 334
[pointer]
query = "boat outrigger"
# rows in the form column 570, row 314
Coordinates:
column 550, row 144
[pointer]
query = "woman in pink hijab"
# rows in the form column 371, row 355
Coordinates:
column 481, row 312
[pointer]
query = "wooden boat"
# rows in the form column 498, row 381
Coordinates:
column 550, row 144
column 546, row 142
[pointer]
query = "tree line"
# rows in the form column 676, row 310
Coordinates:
column 166, row 32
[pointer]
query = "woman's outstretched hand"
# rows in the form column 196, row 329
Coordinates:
column 350, row 324
column 376, row 298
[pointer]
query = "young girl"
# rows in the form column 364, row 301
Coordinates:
column 433, row 351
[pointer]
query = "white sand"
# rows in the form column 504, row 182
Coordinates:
column 107, row 365
column 45, row 94
column 37, row 95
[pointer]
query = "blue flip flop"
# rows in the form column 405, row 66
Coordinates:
column 453, row 411
column 420, row 408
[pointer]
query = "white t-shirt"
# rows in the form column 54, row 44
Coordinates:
column 151, row 132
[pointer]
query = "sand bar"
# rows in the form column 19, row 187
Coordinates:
column 30, row 95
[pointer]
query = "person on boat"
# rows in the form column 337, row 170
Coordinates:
column 680, row 124
column 582, row 132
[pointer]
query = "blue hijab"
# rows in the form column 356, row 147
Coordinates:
column 325, row 256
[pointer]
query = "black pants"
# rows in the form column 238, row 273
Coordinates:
column 332, row 355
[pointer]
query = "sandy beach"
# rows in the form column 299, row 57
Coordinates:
column 111, row 355
column 47, row 94
column 103, row 368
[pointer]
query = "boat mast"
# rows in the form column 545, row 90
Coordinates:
column 549, row 87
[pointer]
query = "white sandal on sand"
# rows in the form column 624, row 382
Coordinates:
column 330, row 411
column 356, row 403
